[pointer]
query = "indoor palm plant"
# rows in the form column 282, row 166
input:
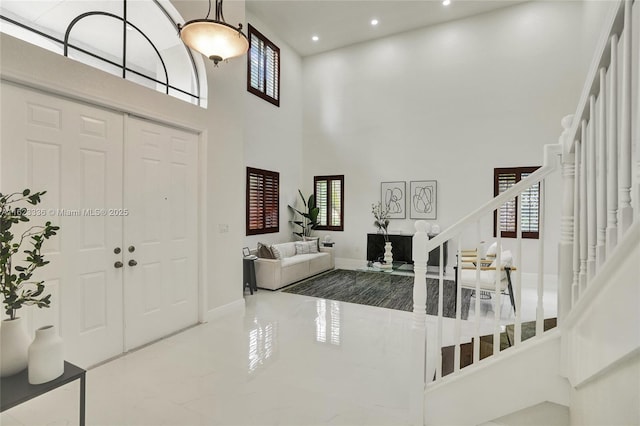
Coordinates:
column 17, row 266
column 309, row 220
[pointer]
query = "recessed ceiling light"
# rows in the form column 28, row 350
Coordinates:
column 315, row 38
column 374, row 22
column 446, row 2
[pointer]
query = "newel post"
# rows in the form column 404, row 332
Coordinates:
column 565, row 250
column 418, row 349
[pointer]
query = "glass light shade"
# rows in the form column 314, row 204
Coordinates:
column 216, row 40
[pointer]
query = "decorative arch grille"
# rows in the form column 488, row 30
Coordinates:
column 136, row 40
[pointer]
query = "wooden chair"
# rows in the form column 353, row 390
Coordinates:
column 468, row 263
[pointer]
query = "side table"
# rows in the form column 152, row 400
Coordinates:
column 249, row 274
column 14, row 390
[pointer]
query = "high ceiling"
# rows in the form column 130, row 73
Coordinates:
column 339, row 23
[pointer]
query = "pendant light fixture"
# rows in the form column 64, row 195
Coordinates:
column 214, row 38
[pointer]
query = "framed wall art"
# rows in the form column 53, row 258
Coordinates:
column 423, row 199
column 392, row 197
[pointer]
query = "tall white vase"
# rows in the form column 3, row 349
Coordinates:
column 388, row 256
column 14, row 346
column 46, row 357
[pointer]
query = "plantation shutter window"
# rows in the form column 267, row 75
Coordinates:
column 505, row 178
column 263, row 198
column 329, row 195
column 263, row 67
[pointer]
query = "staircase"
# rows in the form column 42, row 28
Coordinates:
column 486, row 344
column 542, row 369
column 545, row 413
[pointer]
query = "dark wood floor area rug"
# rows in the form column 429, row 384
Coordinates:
column 380, row 289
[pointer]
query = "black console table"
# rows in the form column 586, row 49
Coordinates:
column 402, row 249
column 14, row 390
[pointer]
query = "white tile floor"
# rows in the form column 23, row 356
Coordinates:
column 290, row 360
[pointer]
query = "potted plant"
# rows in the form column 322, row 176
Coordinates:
column 381, row 215
column 16, row 284
column 309, row 220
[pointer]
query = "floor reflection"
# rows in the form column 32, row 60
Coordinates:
column 328, row 321
column 263, row 344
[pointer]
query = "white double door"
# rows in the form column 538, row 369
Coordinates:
column 123, row 190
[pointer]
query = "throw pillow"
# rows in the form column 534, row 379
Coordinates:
column 302, row 248
column 265, row 252
column 313, row 246
column 506, row 259
column 276, row 253
column 492, row 250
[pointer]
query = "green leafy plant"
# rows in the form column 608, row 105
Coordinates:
column 15, row 278
column 309, row 219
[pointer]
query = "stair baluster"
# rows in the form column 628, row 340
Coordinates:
column 591, row 190
column 612, row 148
column 625, row 210
column 601, row 190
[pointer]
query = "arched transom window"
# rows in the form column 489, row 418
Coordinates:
column 135, row 39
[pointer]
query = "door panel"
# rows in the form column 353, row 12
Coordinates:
column 161, row 291
column 74, row 152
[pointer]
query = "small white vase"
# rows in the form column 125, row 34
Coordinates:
column 46, row 357
column 388, row 256
column 14, row 346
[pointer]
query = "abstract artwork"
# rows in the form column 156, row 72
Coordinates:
column 393, row 198
column 423, row 199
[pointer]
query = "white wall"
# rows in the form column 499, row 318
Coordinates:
column 450, row 103
column 222, row 124
column 512, row 387
column 601, row 338
column 273, row 136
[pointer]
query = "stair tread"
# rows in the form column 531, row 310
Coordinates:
column 545, row 413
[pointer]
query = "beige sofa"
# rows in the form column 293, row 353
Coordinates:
column 273, row 274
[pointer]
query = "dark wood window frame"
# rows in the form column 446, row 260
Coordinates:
column 518, row 172
column 263, row 201
column 268, row 44
column 329, row 179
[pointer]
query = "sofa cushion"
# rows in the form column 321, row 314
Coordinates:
column 284, row 250
column 320, row 262
column 300, row 258
column 487, row 280
column 265, row 252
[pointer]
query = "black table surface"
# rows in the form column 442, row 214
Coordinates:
column 15, row 390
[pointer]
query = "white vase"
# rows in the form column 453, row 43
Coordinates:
column 14, row 346
column 388, row 256
column 46, row 357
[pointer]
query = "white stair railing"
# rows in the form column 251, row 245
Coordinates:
column 597, row 165
column 449, row 330
column 599, row 144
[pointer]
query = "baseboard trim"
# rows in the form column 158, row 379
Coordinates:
column 235, row 307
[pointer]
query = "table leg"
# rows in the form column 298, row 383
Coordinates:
column 82, row 399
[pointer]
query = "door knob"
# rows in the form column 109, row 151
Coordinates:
column 132, row 262
column 118, row 264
